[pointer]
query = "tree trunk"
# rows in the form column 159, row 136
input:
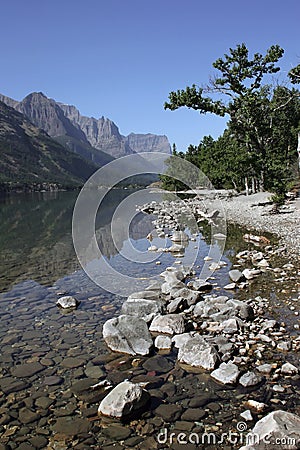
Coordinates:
column 298, row 150
column 246, row 186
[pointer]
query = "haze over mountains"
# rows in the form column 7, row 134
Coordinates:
column 84, row 134
column 38, row 135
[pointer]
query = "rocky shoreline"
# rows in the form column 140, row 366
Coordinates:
column 225, row 337
column 189, row 361
column 253, row 211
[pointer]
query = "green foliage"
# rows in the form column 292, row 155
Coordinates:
column 259, row 144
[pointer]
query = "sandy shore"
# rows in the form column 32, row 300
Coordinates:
column 253, row 212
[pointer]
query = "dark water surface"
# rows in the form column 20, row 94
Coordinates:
column 48, row 357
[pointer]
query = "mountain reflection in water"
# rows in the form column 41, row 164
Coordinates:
column 36, row 235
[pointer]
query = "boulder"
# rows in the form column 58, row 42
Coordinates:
column 229, row 326
column 249, row 274
column 279, row 429
column 197, row 352
column 289, row 369
column 179, row 236
column 189, row 295
column 200, row 285
column 250, row 379
column 175, row 305
column 180, row 339
column 145, row 295
column 168, row 324
column 67, row 302
column 127, row 334
column 176, row 248
column 142, row 308
column 227, row 373
column 123, row 400
column 236, row 276
column 172, row 286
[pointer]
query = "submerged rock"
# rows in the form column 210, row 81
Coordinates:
column 127, row 334
column 67, row 302
column 123, row 400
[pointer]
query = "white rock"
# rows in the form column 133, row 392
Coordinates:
column 67, row 302
column 142, row 308
column 249, row 379
column 236, row 276
column 249, row 274
column 279, row 430
column 229, row 326
column 230, row 286
column 163, row 342
column 246, row 415
column 289, row 369
column 227, row 373
column 179, row 236
column 123, row 400
column 265, row 368
column 263, row 263
column 278, row 388
column 176, row 248
column 256, row 406
column 168, row 324
column 152, row 248
column 197, row 352
column 180, row 339
column 127, row 334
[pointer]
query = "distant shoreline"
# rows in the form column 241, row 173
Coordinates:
column 253, row 211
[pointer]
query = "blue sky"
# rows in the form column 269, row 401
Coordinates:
column 121, row 58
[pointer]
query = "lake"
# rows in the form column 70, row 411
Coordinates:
column 49, row 356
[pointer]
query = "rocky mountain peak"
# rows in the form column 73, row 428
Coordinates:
column 84, row 135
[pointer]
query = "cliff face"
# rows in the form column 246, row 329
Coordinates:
column 91, row 138
column 46, row 114
column 8, row 101
column 148, row 143
column 29, row 156
column 102, row 133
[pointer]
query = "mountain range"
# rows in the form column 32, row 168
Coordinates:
column 39, row 124
column 29, row 157
column 83, row 134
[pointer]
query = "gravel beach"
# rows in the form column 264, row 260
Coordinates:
column 253, row 211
